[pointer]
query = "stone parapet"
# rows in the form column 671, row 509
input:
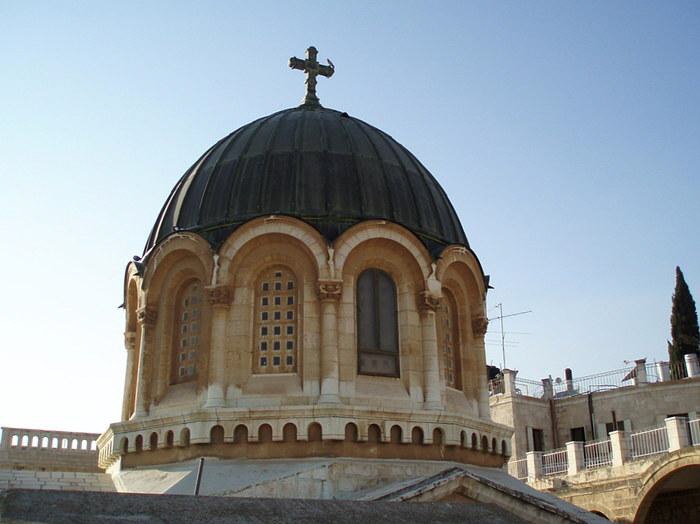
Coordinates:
column 23, row 448
column 321, row 423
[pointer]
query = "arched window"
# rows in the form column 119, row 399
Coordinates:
column 187, row 336
column 377, row 332
column 448, row 340
column 276, row 312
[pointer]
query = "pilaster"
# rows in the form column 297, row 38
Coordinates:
column 146, row 318
column 127, row 399
column 428, row 304
column 329, row 292
column 219, row 298
column 479, row 326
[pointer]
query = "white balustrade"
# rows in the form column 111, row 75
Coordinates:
column 518, row 469
column 649, row 442
column 597, row 454
column 555, row 462
column 694, row 432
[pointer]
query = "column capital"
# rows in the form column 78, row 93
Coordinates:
column 146, row 315
column 330, row 289
column 479, row 325
column 219, row 295
column 130, row 340
column 428, row 301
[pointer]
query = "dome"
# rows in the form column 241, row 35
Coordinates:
column 316, row 164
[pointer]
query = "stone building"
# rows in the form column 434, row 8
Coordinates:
column 625, row 443
column 307, row 281
column 309, row 317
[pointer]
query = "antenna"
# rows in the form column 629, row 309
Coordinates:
column 500, row 317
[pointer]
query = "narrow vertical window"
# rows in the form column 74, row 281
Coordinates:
column 276, row 327
column 377, row 331
column 448, row 340
column 187, row 333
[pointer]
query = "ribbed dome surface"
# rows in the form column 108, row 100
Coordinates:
column 316, row 164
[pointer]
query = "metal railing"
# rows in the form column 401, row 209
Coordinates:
column 649, row 442
column 597, row 454
column 590, row 383
column 529, row 388
column 694, row 426
column 518, row 469
column 555, row 462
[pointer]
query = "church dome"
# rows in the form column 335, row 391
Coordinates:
column 316, row 164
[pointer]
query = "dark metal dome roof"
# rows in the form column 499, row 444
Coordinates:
column 322, row 166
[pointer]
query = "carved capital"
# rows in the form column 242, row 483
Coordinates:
column 129, row 340
column 220, row 295
column 479, row 325
column 146, row 315
column 330, row 289
column 427, row 301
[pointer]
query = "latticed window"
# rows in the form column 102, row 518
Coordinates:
column 187, row 336
column 276, row 322
column 448, row 339
column 377, row 331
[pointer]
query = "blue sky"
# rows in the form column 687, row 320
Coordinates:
column 566, row 134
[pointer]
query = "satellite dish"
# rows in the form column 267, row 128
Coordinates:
column 558, row 380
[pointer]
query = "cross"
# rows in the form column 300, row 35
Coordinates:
column 312, row 69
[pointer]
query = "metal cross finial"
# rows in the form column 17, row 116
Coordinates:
column 312, row 69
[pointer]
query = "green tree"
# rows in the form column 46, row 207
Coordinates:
column 685, row 336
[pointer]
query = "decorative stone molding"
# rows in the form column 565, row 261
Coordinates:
column 130, row 340
column 330, row 289
column 146, row 315
column 427, row 301
column 219, row 295
column 479, row 325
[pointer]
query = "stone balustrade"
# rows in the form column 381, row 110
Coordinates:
column 24, row 448
column 619, row 449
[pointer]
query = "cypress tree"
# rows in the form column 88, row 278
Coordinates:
column 685, row 336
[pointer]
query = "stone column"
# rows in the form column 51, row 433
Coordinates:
column 677, row 431
column 620, row 448
column 146, row 318
column 220, row 298
column 534, row 465
column 431, row 366
column 575, row 457
column 479, row 326
column 329, row 291
column 130, row 345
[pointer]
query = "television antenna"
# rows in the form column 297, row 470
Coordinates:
column 500, row 317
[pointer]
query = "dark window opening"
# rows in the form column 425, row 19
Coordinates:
column 377, row 332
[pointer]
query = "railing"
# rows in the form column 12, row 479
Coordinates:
column 694, row 426
column 649, row 442
column 518, row 469
column 529, row 388
column 555, row 462
column 597, row 382
column 597, row 454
